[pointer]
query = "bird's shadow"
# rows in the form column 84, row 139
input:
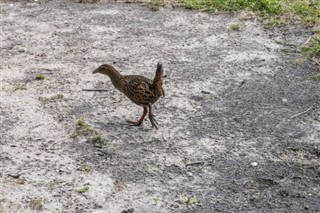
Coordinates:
column 121, row 127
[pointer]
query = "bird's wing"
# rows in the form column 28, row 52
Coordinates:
column 137, row 89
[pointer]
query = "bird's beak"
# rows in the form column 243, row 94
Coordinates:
column 95, row 71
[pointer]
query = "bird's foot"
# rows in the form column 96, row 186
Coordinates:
column 134, row 123
column 153, row 121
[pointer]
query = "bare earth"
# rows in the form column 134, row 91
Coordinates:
column 230, row 135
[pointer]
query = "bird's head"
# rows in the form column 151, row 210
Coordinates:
column 104, row 69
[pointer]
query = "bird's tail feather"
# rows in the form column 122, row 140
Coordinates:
column 159, row 72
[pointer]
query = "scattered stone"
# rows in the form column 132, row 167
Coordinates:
column 254, row 164
column 128, row 211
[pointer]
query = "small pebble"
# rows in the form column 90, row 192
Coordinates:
column 254, row 164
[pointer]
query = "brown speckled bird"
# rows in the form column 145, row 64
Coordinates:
column 142, row 91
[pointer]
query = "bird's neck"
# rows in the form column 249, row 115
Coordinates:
column 116, row 78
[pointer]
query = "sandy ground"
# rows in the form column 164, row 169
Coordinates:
column 230, row 135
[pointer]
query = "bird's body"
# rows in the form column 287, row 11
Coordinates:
column 140, row 90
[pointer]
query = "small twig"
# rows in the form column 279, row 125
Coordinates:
column 15, row 176
column 194, row 163
column 308, row 40
column 242, row 83
column 301, row 113
column 286, row 44
column 95, row 90
column 315, row 61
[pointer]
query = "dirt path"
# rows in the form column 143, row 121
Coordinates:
column 230, row 136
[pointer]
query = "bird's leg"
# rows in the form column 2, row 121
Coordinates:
column 152, row 119
column 139, row 122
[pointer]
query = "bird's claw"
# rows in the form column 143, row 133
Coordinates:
column 153, row 121
column 134, row 123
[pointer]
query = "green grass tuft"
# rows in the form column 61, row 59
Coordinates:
column 235, row 27
column 313, row 49
column 190, row 201
column 81, row 122
column 263, row 6
column 84, row 189
column 315, row 77
column 1, row 206
column 98, row 139
column 84, row 128
column 86, row 168
column 276, row 21
column 156, row 4
column 307, row 10
column 40, row 76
